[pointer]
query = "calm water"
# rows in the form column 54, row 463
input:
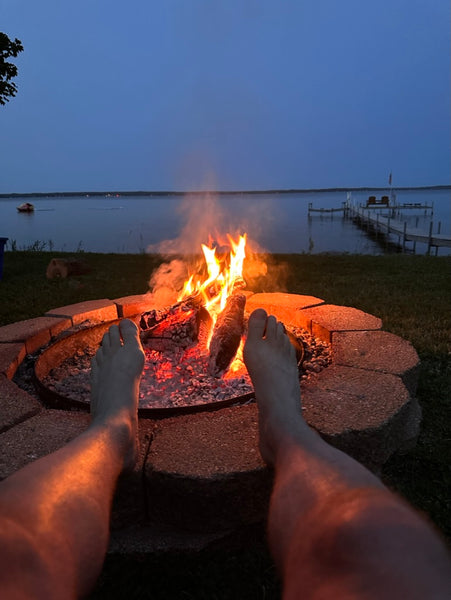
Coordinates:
column 276, row 222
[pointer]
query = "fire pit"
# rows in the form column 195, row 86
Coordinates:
column 203, row 471
column 193, row 346
column 176, row 377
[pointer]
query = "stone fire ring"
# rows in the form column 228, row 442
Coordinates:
column 200, row 478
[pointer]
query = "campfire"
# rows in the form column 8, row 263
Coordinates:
column 193, row 347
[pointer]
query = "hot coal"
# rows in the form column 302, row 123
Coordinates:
column 179, row 376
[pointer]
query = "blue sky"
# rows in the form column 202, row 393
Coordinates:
column 226, row 94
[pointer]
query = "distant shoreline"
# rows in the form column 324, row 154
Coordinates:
column 110, row 193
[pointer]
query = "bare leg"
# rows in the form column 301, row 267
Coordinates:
column 55, row 512
column 334, row 530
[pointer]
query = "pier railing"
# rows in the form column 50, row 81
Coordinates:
column 385, row 218
column 391, row 223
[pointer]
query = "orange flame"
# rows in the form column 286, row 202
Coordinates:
column 223, row 273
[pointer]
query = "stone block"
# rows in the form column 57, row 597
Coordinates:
column 378, row 351
column 34, row 332
column 286, row 307
column 11, row 355
column 367, row 414
column 130, row 503
column 327, row 318
column 38, row 436
column 15, row 405
column 130, row 306
column 205, row 471
column 95, row 311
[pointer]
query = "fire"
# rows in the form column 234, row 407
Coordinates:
column 223, row 275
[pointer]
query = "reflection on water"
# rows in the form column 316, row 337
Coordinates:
column 275, row 222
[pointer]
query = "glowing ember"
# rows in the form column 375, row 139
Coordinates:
column 180, row 377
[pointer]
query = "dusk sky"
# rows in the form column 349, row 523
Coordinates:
column 226, row 94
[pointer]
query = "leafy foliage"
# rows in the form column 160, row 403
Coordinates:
column 8, row 70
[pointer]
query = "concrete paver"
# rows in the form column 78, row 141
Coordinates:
column 367, row 414
column 38, row 436
column 378, row 351
column 34, row 332
column 96, row 311
column 286, row 307
column 323, row 320
column 205, row 471
column 15, row 405
column 130, row 306
column 11, row 355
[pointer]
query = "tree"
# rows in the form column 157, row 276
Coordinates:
column 8, row 48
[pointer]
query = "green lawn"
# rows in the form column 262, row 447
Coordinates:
column 412, row 296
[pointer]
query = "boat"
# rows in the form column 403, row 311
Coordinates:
column 25, row 207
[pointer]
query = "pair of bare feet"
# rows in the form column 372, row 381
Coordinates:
column 270, row 360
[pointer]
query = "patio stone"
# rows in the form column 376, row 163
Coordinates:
column 367, row 414
column 285, row 307
column 205, row 471
column 38, row 436
column 323, row 320
column 11, row 355
column 378, row 351
column 130, row 306
column 15, row 405
column 95, row 311
column 34, row 332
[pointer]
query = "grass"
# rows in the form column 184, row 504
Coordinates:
column 25, row 291
column 411, row 294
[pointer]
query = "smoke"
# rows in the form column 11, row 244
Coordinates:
column 167, row 281
column 207, row 221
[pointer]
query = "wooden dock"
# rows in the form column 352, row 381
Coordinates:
column 386, row 224
column 385, row 216
column 398, row 209
column 325, row 211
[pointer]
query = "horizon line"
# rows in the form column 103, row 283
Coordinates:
column 219, row 192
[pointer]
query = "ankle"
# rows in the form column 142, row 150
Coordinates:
column 297, row 439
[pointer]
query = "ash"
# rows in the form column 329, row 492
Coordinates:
column 71, row 378
column 179, row 377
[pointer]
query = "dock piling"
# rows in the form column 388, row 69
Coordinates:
column 431, row 224
column 391, row 222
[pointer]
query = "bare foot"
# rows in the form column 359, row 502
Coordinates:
column 271, row 362
column 115, row 374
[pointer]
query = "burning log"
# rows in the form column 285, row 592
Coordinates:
column 155, row 316
column 176, row 325
column 227, row 335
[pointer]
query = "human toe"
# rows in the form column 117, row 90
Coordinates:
column 271, row 328
column 114, row 336
column 257, row 324
column 105, row 344
column 94, row 367
column 129, row 331
column 99, row 356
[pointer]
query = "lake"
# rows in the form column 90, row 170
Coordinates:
column 275, row 222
